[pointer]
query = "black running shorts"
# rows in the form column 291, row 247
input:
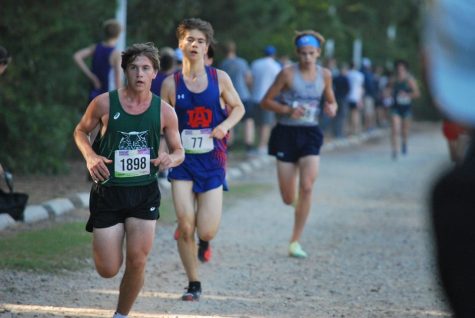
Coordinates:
column 290, row 143
column 112, row 205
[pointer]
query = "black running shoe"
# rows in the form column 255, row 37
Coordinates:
column 204, row 251
column 404, row 149
column 193, row 292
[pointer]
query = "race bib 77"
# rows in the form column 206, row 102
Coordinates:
column 197, row 140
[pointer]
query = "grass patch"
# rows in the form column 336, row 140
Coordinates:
column 240, row 191
column 63, row 246
column 167, row 211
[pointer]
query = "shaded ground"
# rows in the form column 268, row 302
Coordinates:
column 42, row 188
column 368, row 238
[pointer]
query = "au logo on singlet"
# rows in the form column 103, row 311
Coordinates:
column 200, row 117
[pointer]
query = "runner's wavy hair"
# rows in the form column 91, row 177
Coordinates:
column 196, row 24
column 146, row 49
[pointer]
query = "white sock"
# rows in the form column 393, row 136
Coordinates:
column 117, row 315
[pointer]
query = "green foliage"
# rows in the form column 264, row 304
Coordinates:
column 167, row 211
column 42, row 91
column 34, row 137
column 253, row 24
column 245, row 190
column 233, row 19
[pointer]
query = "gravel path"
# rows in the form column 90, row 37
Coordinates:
column 368, row 237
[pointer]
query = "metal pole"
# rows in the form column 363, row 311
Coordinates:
column 357, row 51
column 329, row 48
column 121, row 16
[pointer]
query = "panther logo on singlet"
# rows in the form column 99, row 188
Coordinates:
column 133, row 140
column 200, row 117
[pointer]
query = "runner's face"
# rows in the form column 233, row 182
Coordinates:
column 401, row 70
column 308, row 55
column 140, row 73
column 194, row 45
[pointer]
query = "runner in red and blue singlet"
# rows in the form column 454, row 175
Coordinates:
column 200, row 96
column 198, row 114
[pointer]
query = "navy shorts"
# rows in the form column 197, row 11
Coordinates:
column 203, row 179
column 112, row 205
column 402, row 111
column 290, row 143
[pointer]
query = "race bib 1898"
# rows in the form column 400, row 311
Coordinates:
column 132, row 163
column 197, row 140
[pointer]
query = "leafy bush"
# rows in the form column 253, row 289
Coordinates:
column 42, row 92
column 36, row 137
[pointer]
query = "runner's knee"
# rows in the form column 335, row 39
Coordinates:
column 107, row 264
column 136, row 263
column 288, row 198
column 187, row 231
column 207, row 235
column 306, row 188
column 107, row 270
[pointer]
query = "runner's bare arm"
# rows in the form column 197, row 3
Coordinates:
column 176, row 154
column 96, row 112
column 79, row 57
column 414, row 87
column 269, row 101
column 331, row 106
column 231, row 99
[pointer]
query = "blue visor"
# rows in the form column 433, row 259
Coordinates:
column 307, row 40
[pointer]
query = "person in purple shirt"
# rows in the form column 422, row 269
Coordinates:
column 106, row 61
column 105, row 58
column 167, row 66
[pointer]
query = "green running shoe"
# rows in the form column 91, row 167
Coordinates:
column 295, row 250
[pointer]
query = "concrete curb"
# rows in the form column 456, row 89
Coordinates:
column 59, row 206
column 6, row 221
column 80, row 200
column 34, row 213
